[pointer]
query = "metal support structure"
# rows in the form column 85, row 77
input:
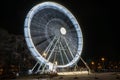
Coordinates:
column 49, row 46
column 57, row 42
column 53, row 49
column 89, row 70
column 61, row 55
column 64, row 52
column 34, row 66
column 38, row 70
column 68, row 47
column 33, row 69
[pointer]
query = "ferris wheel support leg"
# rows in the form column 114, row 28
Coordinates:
column 34, row 66
column 38, row 70
column 89, row 70
column 31, row 71
column 53, row 68
column 43, row 69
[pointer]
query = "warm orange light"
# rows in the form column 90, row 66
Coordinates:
column 102, row 59
column 92, row 62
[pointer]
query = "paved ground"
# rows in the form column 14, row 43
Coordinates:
column 92, row 76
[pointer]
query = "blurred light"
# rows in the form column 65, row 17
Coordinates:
column 73, row 73
column 63, row 30
column 92, row 62
column 102, row 59
column 44, row 54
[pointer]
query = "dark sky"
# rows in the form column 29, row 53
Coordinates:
column 98, row 20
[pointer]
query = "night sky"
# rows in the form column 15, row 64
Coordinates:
column 98, row 20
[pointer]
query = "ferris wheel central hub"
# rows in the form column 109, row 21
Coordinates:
column 63, row 30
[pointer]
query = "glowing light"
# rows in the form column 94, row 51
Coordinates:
column 63, row 30
column 44, row 54
column 73, row 73
column 92, row 63
column 102, row 59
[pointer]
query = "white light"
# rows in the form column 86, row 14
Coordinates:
column 63, row 30
column 73, row 73
column 44, row 54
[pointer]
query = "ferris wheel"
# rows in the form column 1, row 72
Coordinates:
column 53, row 35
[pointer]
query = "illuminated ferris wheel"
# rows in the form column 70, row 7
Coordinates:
column 53, row 35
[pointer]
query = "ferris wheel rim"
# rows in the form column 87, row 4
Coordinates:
column 29, row 41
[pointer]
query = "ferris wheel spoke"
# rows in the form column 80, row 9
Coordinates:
column 36, row 29
column 43, row 44
column 53, row 49
column 40, row 38
column 35, row 32
column 37, row 35
column 35, row 24
column 40, row 28
column 71, row 31
column 72, row 38
column 39, row 31
column 61, row 55
column 48, row 47
column 54, row 59
column 39, row 20
column 72, row 45
column 68, row 47
column 38, row 41
column 64, row 52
